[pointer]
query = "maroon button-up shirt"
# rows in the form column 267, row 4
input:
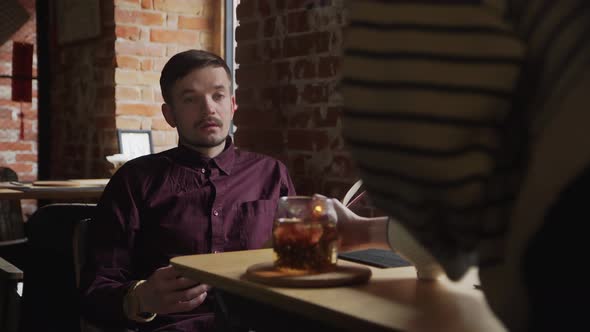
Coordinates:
column 176, row 202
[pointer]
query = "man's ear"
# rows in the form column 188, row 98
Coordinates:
column 169, row 115
column 234, row 106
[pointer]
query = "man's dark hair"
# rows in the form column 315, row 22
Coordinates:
column 182, row 64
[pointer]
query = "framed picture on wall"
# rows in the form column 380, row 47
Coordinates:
column 77, row 20
column 135, row 143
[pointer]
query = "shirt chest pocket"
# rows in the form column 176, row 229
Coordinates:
column 256, row 220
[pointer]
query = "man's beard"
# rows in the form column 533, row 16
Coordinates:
column 202, row 144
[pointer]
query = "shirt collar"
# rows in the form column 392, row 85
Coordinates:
column 224, row 161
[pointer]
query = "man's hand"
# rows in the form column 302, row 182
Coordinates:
column 358, row 232
column 165, row 291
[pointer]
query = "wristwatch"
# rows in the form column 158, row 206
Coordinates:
column 132, row 307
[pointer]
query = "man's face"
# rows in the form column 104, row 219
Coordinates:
column 202, row 109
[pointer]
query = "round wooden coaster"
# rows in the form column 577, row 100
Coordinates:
column 266, row 273
column 56, row 183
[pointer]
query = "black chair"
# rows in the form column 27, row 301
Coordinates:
column 12, row 243
column 50, row 293
column 12, row 229
column 10, row 278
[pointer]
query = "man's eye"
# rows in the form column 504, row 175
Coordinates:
column 218, row 96
column 187, row 100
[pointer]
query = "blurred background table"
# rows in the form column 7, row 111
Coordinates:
column 74, row 189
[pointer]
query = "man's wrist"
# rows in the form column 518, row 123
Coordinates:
column 132, row 305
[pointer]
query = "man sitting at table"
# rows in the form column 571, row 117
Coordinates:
column 204, row 196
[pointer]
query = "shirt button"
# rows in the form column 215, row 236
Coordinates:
column 215, row 213
column 203, row 170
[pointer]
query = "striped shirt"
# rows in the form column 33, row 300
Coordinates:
column 451, row 108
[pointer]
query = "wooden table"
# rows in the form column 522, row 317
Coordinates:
column 80, row 189
column 392, row 300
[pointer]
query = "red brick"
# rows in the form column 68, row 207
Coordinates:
column 330, row 119
column 147, row 4
column 127, row 77
column 289, row 94
column 149, row 78
column 127, row 3
column 124, row 122
column 160, row 124
column 329, row 66
column 6, row 56
column 268, row 141
column 247, row 31
column 27, row 110
column 298, row 22
column 123, row 47
column 273, row 49
column 308, row 140
column 304, row 69
column 283, row 71
column 16, row 146
column 147, row 64
column 307, row 44
column 271, row 98
column 10, row 124
column 257, row 119
column 137, row 109
column 147, row 94
column 126, row 61
column 127, row 93
column 254, row 75
column 264, row 7
column 194, row 23
column 158, row 97
column 315, row 93
column 5, row 69
column 125, row 16
column 158, row 64
column 174, row 36
column 269, row 27
column 180, row 6
column 9, row 104
column 303, row 118
column 206, row 40
column 127, row 32
column 22, row 167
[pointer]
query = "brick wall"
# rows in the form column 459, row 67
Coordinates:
column 82, row 102
column 288, row 53
column 19, row 154
column 148, row 34
column 112, row 82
